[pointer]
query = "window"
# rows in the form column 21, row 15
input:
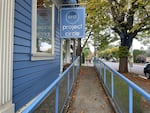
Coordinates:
column 43, row 30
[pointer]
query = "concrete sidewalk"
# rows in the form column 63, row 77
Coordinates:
column 89, row 96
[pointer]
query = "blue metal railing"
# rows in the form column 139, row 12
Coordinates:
column 58, row 91
column 126, row 95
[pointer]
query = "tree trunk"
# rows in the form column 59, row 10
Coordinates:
column 79, row 49
column 123, row 64
column 126, row 41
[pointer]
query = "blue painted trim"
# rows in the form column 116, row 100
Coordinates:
column 130, row 100
column 112, row 84
column 57, row 99
column 104, row 74
column 73, row 74
column 68, row 82
column 100, row 70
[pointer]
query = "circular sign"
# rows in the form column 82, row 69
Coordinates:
column 72, row 17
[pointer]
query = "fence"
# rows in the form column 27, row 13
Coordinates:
column 57, row 93
column 126, row 95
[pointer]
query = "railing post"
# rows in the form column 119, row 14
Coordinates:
column 69, row 82
column 76, row 70
column 130, row 100
column 104, row 74
column 73, row 74
column 100, row 68
column 57, row 99
column 112, row 84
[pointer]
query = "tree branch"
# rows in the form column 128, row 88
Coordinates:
column 116, row 30
column 87, row 39
column 145, row 29
column 143, row 23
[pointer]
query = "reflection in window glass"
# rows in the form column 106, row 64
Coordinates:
column 44, row 26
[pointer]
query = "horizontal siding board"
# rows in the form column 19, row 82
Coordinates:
column 30, row 92
column 22, row 17
column 21, row 57
column 22, row 26
column 21, row 83
column 23, row 22
column 34, row 85
column 33, row 71
column 23, row 34
column 28, row 64
column 22, row 10
column 30, row 77
column 27, row 71
column 21, row 49
column 23, row 29
column 25, row 5
column 22, row 41
column 29, row 2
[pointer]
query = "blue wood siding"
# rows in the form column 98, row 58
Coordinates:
column 30, row 77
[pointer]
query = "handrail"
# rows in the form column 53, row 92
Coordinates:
column 46, row 92
column 131, row 86
column 129, row 82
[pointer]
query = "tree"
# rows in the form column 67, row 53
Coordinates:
column 96, row 25
column 109, row 53
column 137, row 53
column 94, row 22
column 129, row 17
column 86, row 52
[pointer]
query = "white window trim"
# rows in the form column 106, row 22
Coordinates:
column 39, row 55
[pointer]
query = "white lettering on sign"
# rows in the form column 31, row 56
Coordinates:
column 72, row 33
column 72, row 27
column 72, row 16
column 72, row 22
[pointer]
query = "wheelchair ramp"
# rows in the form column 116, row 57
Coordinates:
column 88, row 95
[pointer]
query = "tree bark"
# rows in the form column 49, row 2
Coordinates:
column 126, row 41
column 79, row 49
column 123, row 64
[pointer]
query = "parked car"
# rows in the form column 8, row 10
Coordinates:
column 147, row 70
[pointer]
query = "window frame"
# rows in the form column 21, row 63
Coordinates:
column 39, row 55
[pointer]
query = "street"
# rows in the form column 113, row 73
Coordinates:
column 137, row 68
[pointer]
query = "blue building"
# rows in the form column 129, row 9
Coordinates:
column 30, row 50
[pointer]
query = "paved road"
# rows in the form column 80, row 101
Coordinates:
column 137, row 68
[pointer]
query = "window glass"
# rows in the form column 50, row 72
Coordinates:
column 42, row 30
column 44, row 26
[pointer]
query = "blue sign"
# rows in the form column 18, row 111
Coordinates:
column 72, row 22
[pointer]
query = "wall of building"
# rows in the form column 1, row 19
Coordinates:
column 30, row 77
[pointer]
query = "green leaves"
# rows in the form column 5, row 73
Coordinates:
column 123, row 51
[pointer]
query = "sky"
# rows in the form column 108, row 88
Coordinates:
column 137, row 45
